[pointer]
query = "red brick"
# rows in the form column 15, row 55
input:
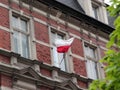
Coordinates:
column 4, row 2
column 101, row 43
column 15, row 6
column 73, row 31
column 39, row 16
column 53, row 23
column 4, row 59
column 6, row 81
column 5, row 40
column 41, row 32
column 45, row 72
column 4, row 17
column 82, row 84
column 77, row 47
column 102, row 53
column 43, row 53
column 79, row 67
column 26, row 11
column 86, row 37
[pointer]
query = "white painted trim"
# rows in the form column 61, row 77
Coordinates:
column 104, row 48
column 43, row 43
column 59, row 30
column 40, row 21
column 75, row 36
column 77, row 56
column 11, row 30
column 16, row 1
column 5, row 50
column 32, row 38
column 8, row 65
column 21, row 12
column 104, row 40
column 24, row 4
column 4, row 28
column 4, row 6
column 40, row 11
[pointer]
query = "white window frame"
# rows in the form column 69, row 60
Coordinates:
column 64, row 34
column 21, row 32
column 91, row 73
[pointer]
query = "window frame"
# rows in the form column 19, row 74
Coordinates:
column 95, row 60
column 96, row 7
column 64, row 34
column 27, row 33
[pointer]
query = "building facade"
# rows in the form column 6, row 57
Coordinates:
column 28, row 56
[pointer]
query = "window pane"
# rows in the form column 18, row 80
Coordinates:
column 15, row 22
column 91, row 69
column 55, row 57
column 23, row 25
column 25, row 46
column 92, row 52
column 95, row 11
column 59, row 36
column 90, row 64
column 62, row 61
column 53, row 37
column 87, row 50
column 16, row 41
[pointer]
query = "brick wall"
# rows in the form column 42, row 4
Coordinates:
column 4, row 1
column 42, row 35
column 41, row 32
column 46, row 72
column 5, row 40
column 79, row 67
column 6, row 81
column 77, row 47
column 43, row 53
column 4, row 17
column 82, row 84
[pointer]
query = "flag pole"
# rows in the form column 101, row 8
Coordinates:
column 62, row 59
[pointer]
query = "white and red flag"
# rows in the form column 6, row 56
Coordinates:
column 63, row 45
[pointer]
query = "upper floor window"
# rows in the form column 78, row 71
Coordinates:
column 95, row 10
column 59, row 59
column 91, row 64
column 20, row 36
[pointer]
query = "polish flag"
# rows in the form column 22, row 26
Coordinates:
column 63, row 45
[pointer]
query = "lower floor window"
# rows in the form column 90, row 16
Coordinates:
column 21, row 44
column 20, row 36
column 91, row 58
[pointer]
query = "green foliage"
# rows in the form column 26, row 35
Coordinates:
column 112, row 56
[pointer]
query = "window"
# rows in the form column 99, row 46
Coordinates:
column 58, row 58
column 20, row 36
column 91, row 64
column 95, row 9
